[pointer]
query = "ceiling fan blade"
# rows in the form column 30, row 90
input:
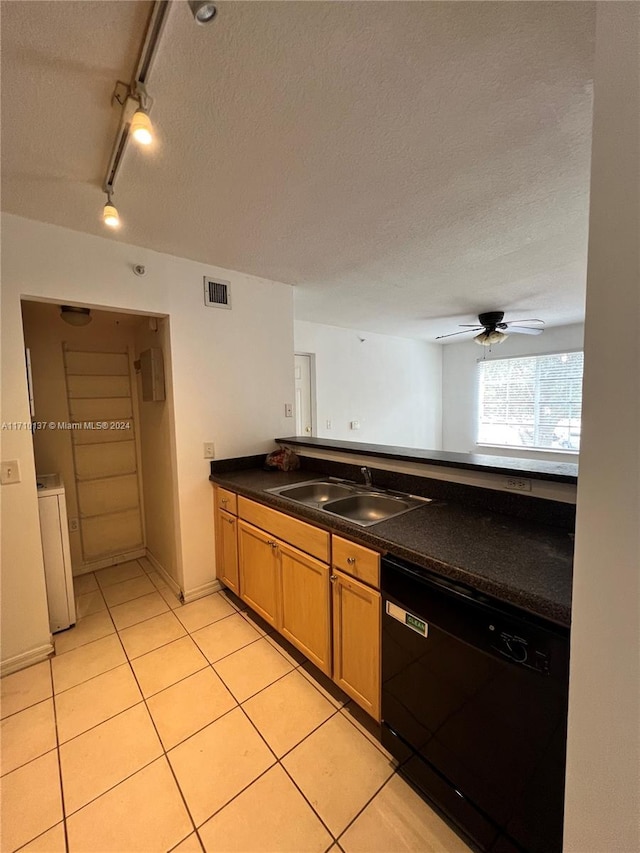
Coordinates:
column 466, row 332
column 517, row 322
column 523, row 330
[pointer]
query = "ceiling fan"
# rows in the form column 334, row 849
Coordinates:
column 493, row 328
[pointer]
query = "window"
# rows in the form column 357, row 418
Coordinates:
column 531, row 402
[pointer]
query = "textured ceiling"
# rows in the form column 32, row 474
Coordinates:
column 405, row 165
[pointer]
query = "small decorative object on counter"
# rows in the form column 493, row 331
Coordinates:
column 283, row 459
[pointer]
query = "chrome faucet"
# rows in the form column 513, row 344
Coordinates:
column 366, row 473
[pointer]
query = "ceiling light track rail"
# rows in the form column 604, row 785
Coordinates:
column 134, row 99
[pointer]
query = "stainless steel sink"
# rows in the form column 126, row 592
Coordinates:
column 360, row 504
column 314, row 493
column 369, row 508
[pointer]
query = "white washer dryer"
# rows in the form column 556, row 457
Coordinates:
column 54, row 532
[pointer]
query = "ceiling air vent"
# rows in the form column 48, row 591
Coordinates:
column 217, row 293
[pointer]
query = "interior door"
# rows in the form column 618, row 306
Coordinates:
column 304, row 398
column 100, row 399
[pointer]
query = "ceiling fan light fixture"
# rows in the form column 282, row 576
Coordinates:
column 487, row 338
column 141, row 127
column 203, row 11
column 75, row 316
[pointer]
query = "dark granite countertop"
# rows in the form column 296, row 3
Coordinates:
column 560, row 472
column 523, row 563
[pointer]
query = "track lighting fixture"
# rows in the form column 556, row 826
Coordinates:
column 75, row 316
column 141, row 128
column 110, row 214
column 203, row 11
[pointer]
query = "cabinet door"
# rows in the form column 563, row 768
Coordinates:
column 356, row 641
column 306, row 605
column 258, row 562
column 227, row 550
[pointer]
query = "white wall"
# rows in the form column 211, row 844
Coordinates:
column 460, row 387
column 157, row 427
column 232, row 370
column 603, row 769
column 391, row 385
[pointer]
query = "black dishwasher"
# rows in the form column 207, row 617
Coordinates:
column 474, row 706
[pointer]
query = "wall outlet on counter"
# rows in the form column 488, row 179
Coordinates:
column 288, row 410
column 209, row 450
column 74, row 525
column 354, row 425
column 328, row 423
column 517, row 484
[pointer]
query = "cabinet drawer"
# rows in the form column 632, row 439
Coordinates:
column 305, row 536
column 356, row 560
column 228, row 501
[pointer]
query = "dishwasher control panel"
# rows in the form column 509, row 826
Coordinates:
column 518, row 649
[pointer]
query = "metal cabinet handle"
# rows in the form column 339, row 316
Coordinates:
column 351, row 561
column 230, row 520
column 224, row 500
column 333, row 578
column 271, row 543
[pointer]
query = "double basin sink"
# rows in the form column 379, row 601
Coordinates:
column 362, row 505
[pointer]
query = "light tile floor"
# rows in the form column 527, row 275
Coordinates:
column 160, row 726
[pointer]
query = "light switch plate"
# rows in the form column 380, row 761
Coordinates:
column 209, row 450
column 10, row 472
column 288, row 410
column 355, row 425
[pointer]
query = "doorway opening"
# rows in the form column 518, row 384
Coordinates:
column 305, row 391
column 111, row 441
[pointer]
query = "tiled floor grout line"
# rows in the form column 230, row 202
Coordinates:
column 166, row 754
column 369, row 801
column 34, row 757
column 273, row 643
column 59, row 757
column 277, row 760
column 304, row 796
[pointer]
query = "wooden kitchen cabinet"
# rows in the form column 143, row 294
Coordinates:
column 283, row 574
column 356, row 560
column 226, row 539
column 306, row 605
column 227, row 550
column 258, row 559
column 356, row 641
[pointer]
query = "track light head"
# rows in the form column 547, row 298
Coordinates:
column 141, row 128
column 203, row 11
column 110, row 215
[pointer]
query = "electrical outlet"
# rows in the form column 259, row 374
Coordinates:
column 354, row 425
column 288, row 410
column 517, row 484
column 10, row 472
column 74, row 525
column 328, row 424
column 209, row 450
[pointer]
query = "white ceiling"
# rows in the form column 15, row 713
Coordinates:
column 404, row 164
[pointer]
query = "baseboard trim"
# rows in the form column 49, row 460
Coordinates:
column 201, row 591
column 96, row 565
column 164, row 574
column 25, row 659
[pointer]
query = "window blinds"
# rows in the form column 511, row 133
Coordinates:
column 531, row 402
